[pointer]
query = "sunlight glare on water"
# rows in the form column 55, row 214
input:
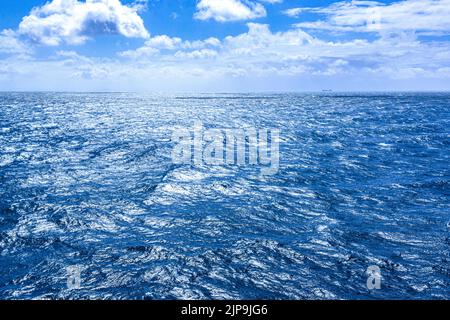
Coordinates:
column 87, row 180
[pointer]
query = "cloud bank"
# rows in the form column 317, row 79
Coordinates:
column 349, row 46
column 295, row 52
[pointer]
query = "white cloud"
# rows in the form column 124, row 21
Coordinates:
column 370, row 16
column 82, row 67
column 10, row 44
column 74, row 22
column 155, row 45
column 163, row 42
column 229, row 10
column 197, row 54
column 293, row 12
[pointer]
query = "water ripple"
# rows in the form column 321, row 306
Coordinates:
column 87, row 180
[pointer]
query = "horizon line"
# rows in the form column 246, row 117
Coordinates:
column 229, row 92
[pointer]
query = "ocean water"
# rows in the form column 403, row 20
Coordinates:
column 87, row 183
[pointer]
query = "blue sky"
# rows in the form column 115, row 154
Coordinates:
column 224, row 45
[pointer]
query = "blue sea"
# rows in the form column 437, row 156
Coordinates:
column 87, row 183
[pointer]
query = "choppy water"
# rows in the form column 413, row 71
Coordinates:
column 87, row 180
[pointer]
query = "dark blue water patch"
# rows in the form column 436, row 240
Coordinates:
column 87, row 180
